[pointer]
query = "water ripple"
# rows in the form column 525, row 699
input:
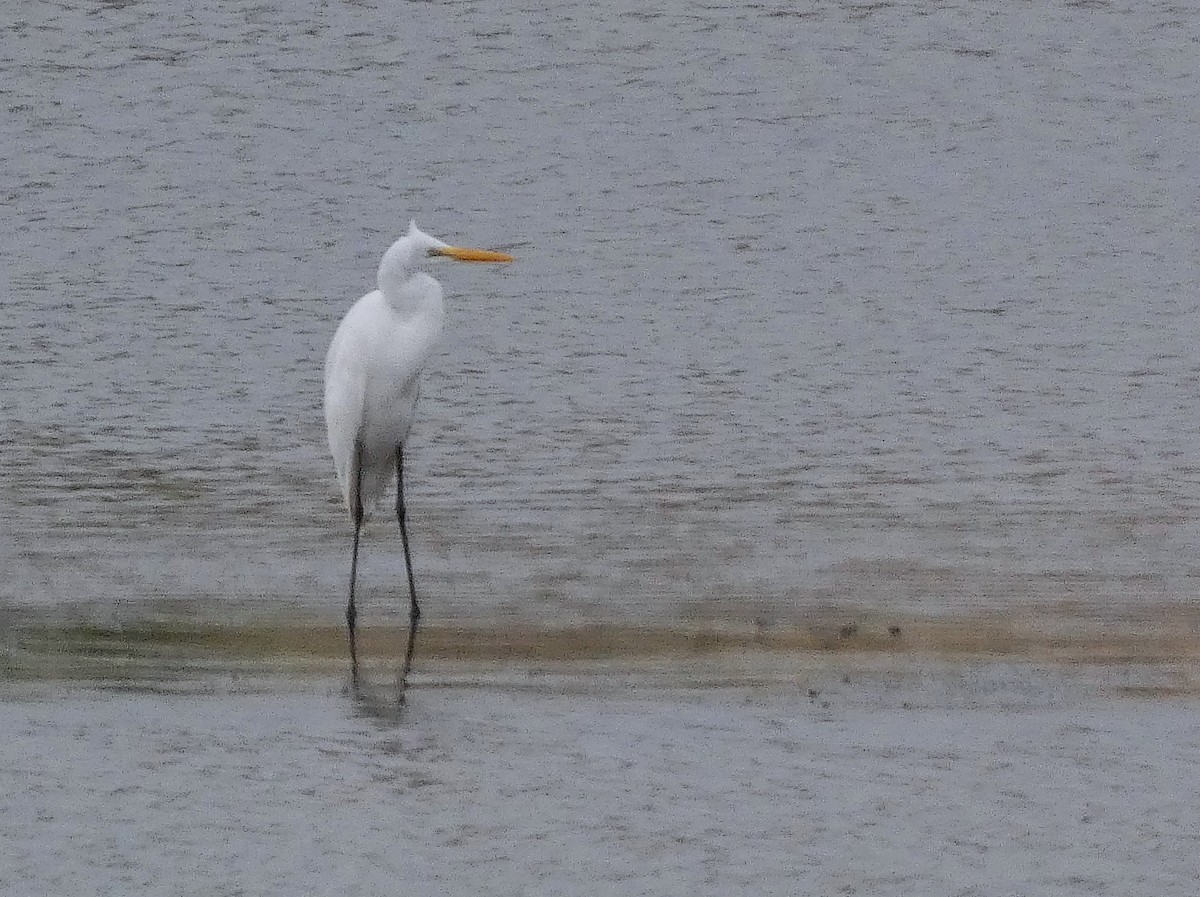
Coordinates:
column 812, row 305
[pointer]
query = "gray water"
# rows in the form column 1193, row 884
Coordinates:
column 816, row 304
column 968, row 784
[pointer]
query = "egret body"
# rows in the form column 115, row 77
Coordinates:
column 372, row 381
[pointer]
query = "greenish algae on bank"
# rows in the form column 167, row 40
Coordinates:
column 163, row 649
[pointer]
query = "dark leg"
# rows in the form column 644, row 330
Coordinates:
column 414, row 613
column 357, row 513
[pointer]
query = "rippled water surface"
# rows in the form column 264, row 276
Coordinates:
column 1001, row 781
column 817, row 304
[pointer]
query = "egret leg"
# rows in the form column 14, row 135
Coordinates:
column 357, row 513
column 414, row 611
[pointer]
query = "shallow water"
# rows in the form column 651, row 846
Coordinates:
column 993, row 781
column 820, row 305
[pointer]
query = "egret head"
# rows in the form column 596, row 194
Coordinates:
column 404, row 257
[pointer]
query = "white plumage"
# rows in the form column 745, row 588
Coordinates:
column 373, row 367
column 372, row 382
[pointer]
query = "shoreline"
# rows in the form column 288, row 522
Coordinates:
column 1153, row 657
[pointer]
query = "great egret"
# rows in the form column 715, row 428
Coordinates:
column 372, row 380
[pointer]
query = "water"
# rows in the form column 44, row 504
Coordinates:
column 975, row 784
column 819, row 305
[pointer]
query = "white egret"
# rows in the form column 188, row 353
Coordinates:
column 372, row 380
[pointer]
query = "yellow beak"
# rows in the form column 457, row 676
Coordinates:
column 462, row 254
